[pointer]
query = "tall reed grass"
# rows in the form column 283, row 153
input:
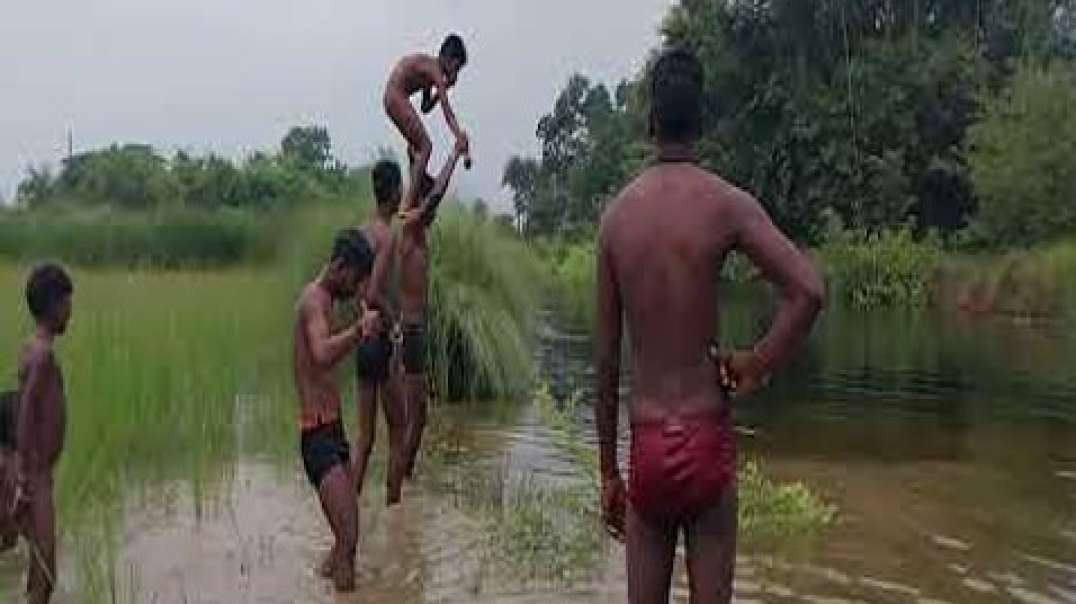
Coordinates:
column 170, row 239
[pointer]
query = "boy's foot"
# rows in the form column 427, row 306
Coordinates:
column 325, row 569
column 343, row 576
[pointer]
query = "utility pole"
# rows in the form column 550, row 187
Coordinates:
column 70, row 144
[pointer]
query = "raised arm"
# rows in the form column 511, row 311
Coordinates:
column 802, row 291
column 428, row 211
column 375, row 291
column 607, row 374
column 327, row 350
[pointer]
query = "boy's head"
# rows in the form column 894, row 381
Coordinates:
column 676, row 97
column 350, row 263
column 48, row 296
column 388, row 185
column 453, row 57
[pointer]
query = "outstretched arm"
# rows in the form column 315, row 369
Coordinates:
column 802, row 291
column 441, row 84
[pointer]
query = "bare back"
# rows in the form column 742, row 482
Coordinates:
column 315, row 383
column 412, row 74
column 49, row 423
column 662, row 244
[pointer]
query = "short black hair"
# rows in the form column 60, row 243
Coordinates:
column 352, row 247
column 47, row 285
column 676, row 95
column 453, row 48
column 387, row 180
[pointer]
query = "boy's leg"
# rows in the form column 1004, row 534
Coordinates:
column 417, row 411
column 419, row 147
column 41, row 536
column 364, row 440
column 396, row 422
column 651, row 549
column 711, row 552
column 337, row 494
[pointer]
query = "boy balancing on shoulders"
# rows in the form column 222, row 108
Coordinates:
column 433, row 76
column 317, row 349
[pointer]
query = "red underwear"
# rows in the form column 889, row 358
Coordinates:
column 681, row 465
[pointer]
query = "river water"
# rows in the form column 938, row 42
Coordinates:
column 948, row 445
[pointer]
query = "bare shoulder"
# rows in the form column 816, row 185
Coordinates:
column 613, row 216
column 37, row 354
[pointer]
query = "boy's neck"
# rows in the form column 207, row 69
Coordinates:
column 676, row 152
column 45, row 332
column 384, row 214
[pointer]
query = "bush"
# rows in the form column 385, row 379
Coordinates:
column 1022, row 158
column 885, row 268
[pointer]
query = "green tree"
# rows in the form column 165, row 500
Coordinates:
column 1023, row 158
column 308, row 147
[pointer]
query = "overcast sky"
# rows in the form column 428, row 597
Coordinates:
column 231, row 76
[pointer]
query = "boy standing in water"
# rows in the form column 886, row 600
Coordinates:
column 316, row 352
column 434, row 76
column 41, row 423
column 374, row 357
column 414, row 259
column 659, row 245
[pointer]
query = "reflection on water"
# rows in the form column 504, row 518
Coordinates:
column 948, row 445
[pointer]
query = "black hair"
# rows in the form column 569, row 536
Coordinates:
column 676, row 95
column 453, row 48
column 45, row 288
column 351, row 246
column 387, row 179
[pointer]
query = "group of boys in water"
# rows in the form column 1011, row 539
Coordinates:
column 660, row 244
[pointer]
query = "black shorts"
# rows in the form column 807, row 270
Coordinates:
column 414, row 348
column 372, row 359
column 9, row 413
column 324, row 448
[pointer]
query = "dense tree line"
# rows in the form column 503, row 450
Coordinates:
column 138, row 177
column 859, row 109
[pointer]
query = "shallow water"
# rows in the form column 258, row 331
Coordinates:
column 948, row 445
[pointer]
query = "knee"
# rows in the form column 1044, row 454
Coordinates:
column 365, row 444
column 423, row 149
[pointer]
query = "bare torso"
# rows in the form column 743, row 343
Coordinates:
column 666, row 237
column 50, row 419
column 410, row 75
column 379, row 233
column 414, row 268
column 318, row 393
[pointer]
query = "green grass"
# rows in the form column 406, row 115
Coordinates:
column 572, row 270
column 877, row 270
column 170, row 239
column 1034, row 283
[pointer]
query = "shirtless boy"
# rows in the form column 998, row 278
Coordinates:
column 434, row 76
column 316, row 352
column 375, row 356
column 660, row 244
column 414, row 267
column 41, row 423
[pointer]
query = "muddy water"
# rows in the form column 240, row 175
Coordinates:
column 948, row 445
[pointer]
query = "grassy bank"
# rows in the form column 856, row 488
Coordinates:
column 170, row 239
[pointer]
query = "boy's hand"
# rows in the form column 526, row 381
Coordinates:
column 370, row 323
column 614, row 506
column 740, row 373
